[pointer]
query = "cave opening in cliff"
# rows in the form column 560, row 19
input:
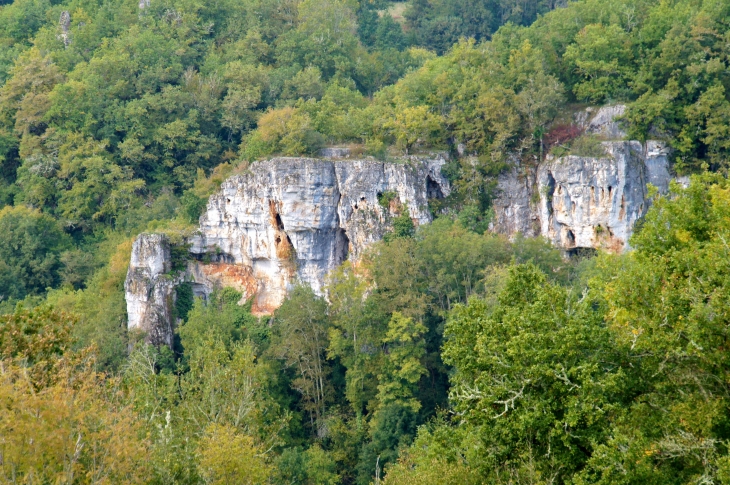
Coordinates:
column 433, row 189
column 342, row 247
column 570, row 237
column 581, row 253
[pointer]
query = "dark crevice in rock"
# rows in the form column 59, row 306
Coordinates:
column 571, row 238
column 200, row 290
column 213, row 257
column 549, row 193
column 342, row 246
column 342, row 242
column 433, row 189
column 581, row 252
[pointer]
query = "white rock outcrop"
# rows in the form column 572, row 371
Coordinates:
column 295, row 219
column 606, row 124
column 291, row 220
column 593, row 202
column 583, row 202
column 603, row 122
column 149, row 288
column 285, row 220
column 514, row 207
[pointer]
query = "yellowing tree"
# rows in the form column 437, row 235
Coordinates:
column 289, row 131
column 228, row 457
column 66, row 433
column 60, row 421
column 414, row 124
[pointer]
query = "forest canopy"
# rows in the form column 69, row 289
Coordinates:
column 447, row 354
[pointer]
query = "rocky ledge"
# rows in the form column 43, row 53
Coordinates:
column 285, row 220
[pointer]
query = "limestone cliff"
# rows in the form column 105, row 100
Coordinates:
column 149, row 288
column 285, row 220
column 584, row 202
column 291, row 220
column 588, row 202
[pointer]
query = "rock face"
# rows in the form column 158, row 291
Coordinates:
column 64, row 24
column 291, row 220
column 605, row 123
column 583, row 202
column 296, row 219
column 334, row 152
column 149, row 288
column 656, row 163
column 593, row 202
column 286, row 220
column 514, row 208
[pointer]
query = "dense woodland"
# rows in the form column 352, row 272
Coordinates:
column 448, row 355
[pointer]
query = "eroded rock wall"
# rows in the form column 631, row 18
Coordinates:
column 292, row 219
column 150, row 288
column 295, row 219
column 593, row 202
column 583, row 202
column 285, row 220
column 515, row 208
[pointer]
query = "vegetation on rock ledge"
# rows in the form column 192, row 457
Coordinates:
column 448, row 354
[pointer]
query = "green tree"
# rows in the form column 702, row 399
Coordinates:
column 30, row 251
column 301, row 341
column 355, row 333
column 710, row 116
column 402, row 367
column 665, row 305
column 537, row 372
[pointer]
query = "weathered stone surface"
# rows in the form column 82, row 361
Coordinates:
column 583, row 202
column 285, row 220
column 294, row 219
column 656, row 162
column 149, row 288
column 515, row 210
column 604, row 122
column 683, row 181
column 334, row 152
column 64, row 23
column 594, row 202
